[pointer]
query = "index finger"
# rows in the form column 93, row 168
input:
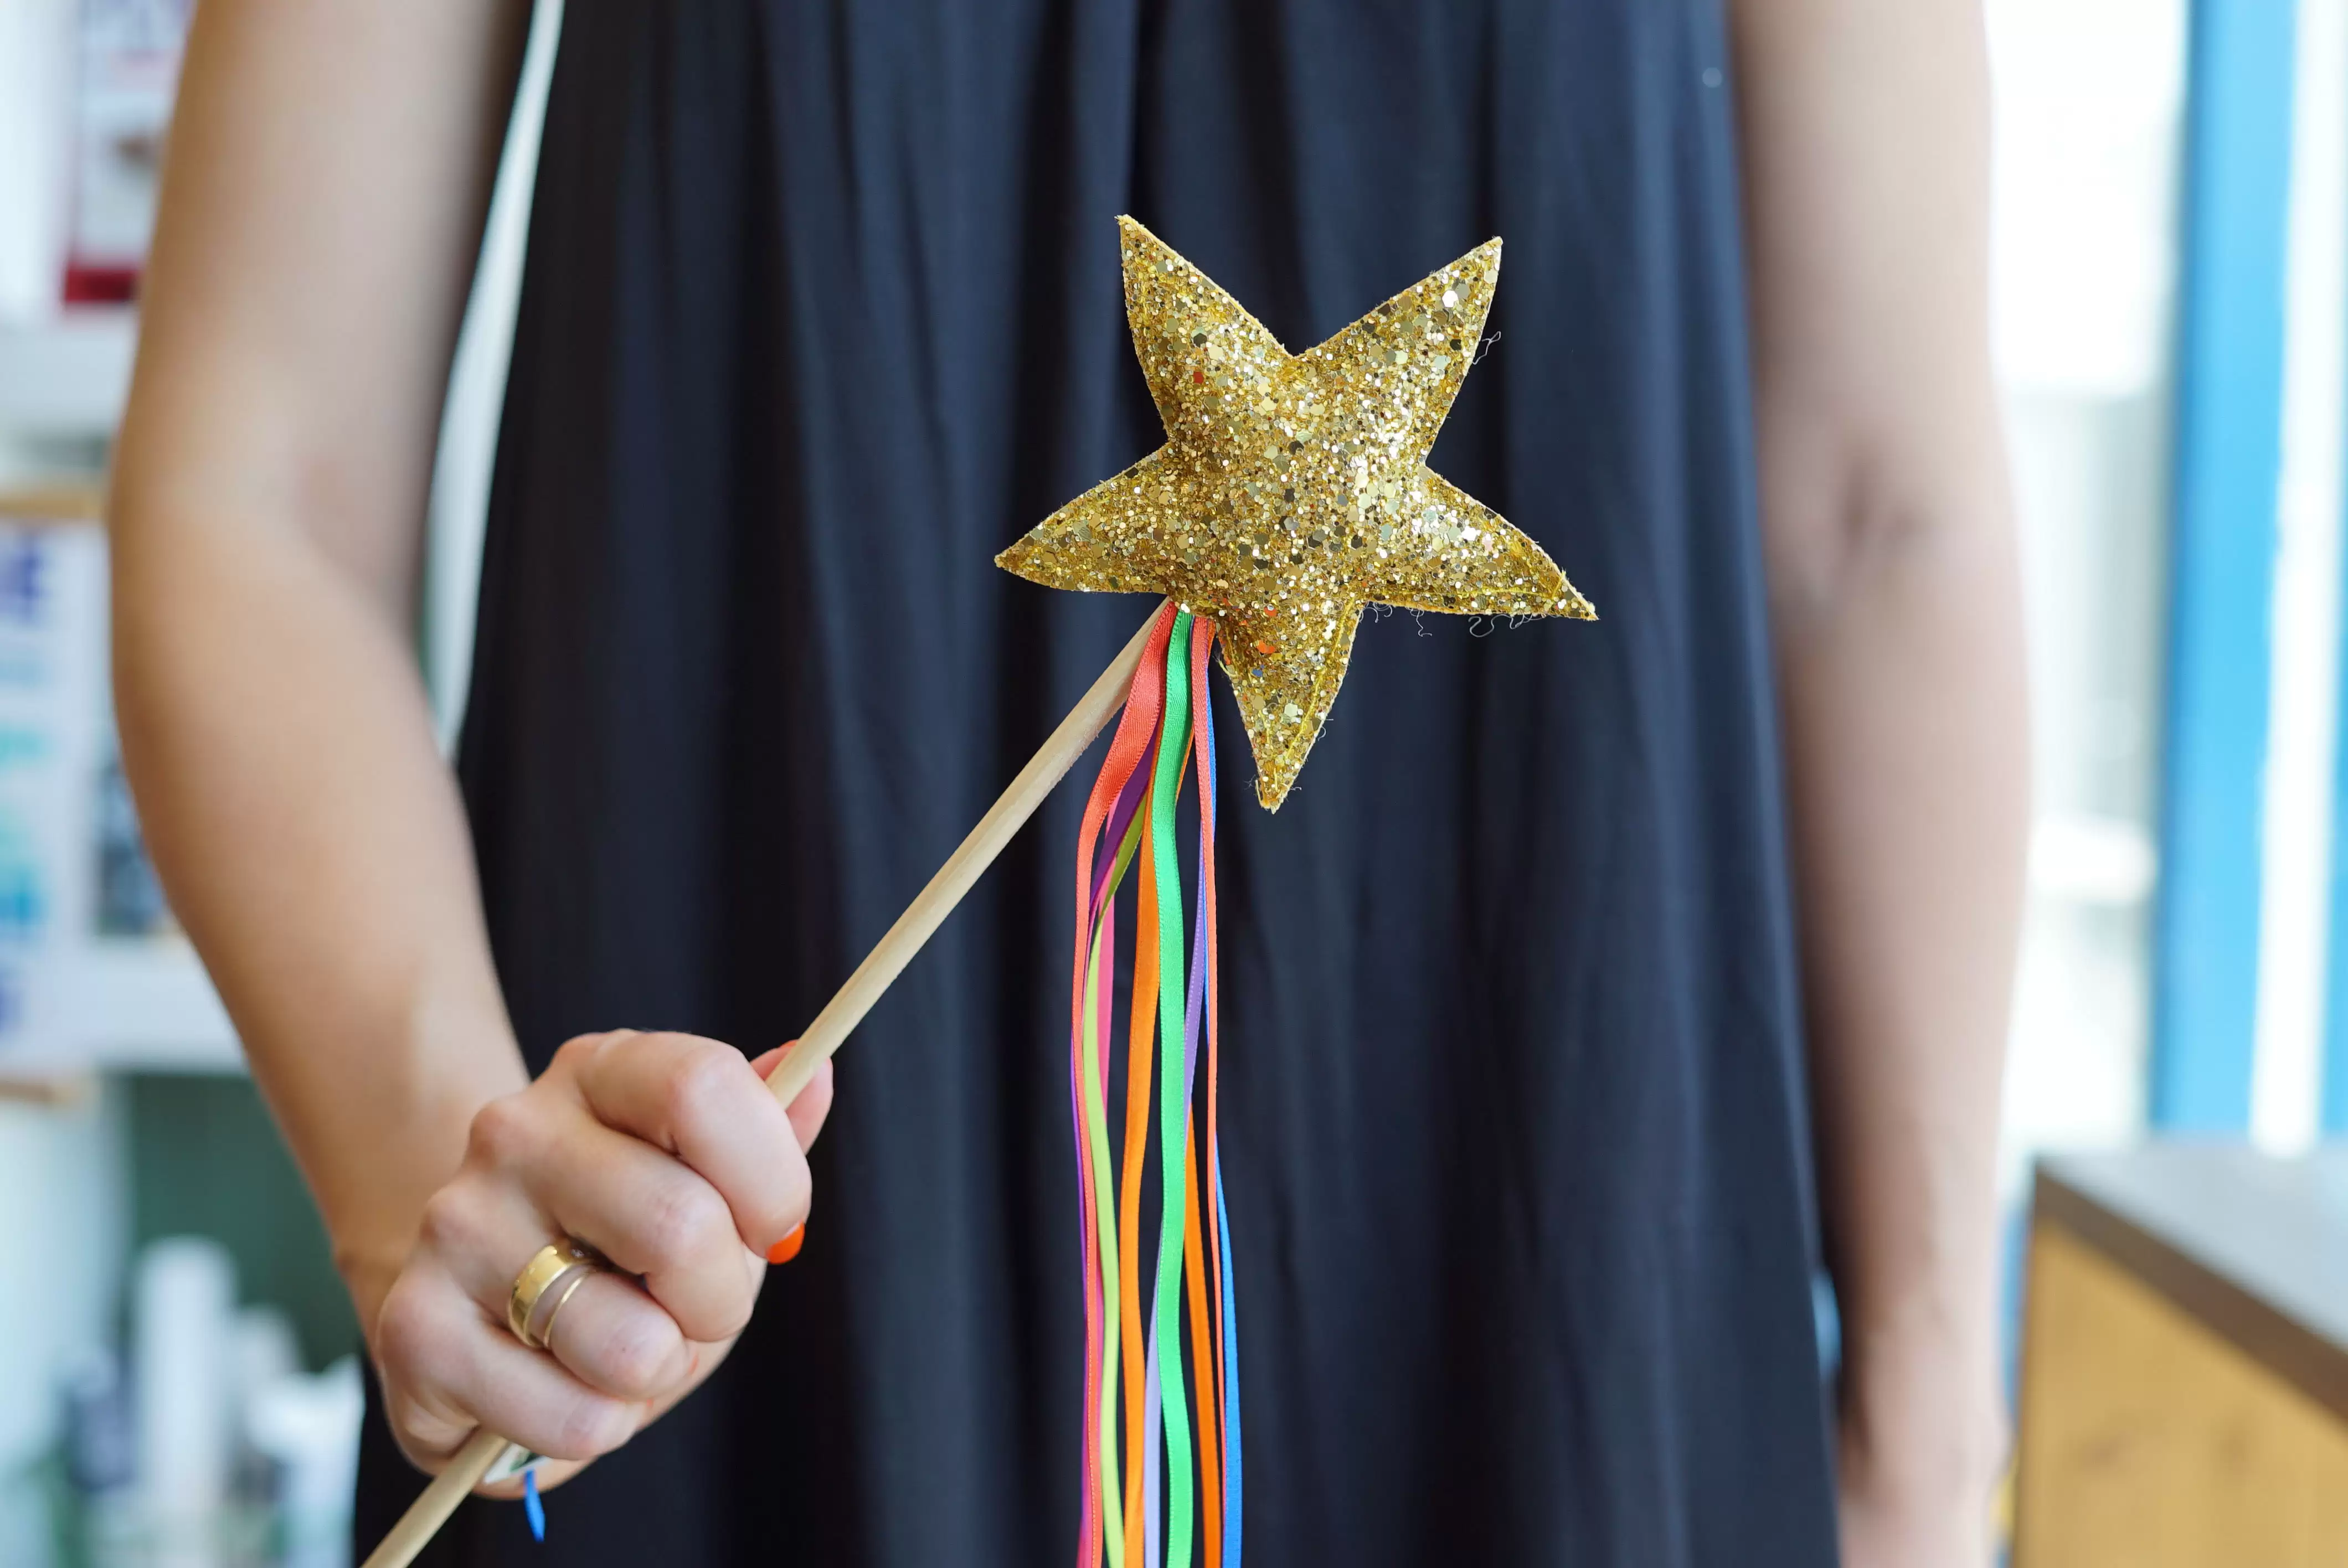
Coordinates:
column 700, row 1101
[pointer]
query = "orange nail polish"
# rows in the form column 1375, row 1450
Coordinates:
column 789, row 1247
column 770, row 1060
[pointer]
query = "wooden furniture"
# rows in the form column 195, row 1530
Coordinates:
column 2184, row 1391
column 58, row 501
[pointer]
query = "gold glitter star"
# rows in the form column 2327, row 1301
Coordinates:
column 1293, row 490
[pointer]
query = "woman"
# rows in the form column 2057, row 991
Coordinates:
column 1541, row 1109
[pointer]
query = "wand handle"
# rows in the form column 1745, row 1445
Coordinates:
column 840, row 1015
column 429, row 1511
column 961, row 870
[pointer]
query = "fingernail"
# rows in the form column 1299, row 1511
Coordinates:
column 789, row 1247
column 765, row 1063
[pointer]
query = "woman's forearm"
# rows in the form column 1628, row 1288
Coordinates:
column 1904, row 726
column 302, row 819
column 321, row 204
column 1896, row 606
column 324, row 199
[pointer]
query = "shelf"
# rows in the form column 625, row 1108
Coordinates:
column 135, row 1005
column 149, row 1004
column 66, row 378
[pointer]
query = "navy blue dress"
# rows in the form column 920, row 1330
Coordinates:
column 823, row 310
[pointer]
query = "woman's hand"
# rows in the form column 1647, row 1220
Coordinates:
column 667, row 1154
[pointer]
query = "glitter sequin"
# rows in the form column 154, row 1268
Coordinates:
column 1293, row 490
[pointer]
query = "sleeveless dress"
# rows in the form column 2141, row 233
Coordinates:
column 822, row 310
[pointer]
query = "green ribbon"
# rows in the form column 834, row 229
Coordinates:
column 1173, row 745
column 1096, row 1137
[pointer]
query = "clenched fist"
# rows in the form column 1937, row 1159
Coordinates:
column 666, row 1153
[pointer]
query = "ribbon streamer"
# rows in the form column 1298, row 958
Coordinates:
column 1171, row 1485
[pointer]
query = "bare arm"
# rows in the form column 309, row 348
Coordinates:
column 1895, row 610
column 328, row 173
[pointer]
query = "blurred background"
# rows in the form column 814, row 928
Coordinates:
column 2171, row 321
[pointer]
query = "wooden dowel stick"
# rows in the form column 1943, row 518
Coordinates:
column 841, row 1014
column 961, row 870
column 429, row 1512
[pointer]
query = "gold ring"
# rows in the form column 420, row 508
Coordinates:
column 557, row 1261
column 564, row 1287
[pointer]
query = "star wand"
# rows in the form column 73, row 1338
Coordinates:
column 1292, row 491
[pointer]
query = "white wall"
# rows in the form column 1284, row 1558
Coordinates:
column 2088, row 96
column 36, row 41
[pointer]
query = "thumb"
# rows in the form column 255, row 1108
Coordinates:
column 809, row 1112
